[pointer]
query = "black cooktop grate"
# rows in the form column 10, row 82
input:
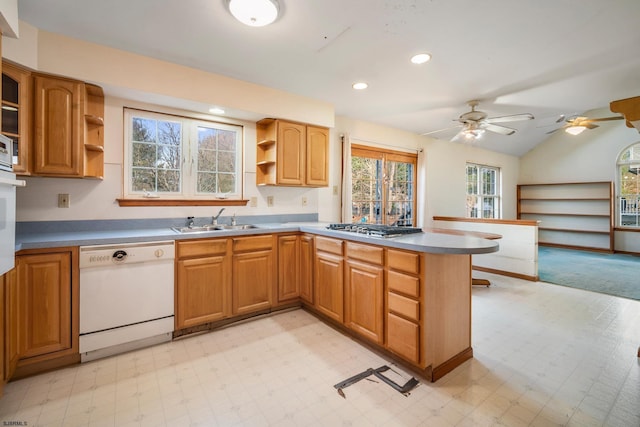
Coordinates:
column 375, row 229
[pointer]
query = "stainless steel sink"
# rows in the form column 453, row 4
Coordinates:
column 237, row 227
column 210, row 227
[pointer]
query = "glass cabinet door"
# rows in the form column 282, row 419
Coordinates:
column 15, row 125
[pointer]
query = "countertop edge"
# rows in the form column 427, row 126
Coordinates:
column 427, row 242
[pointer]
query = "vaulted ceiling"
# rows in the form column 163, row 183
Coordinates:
column 546, row 57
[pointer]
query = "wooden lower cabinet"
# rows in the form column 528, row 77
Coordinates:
column 253, row 274
column 11, row 321
column 203, row 282
column 48, row 309
column 365, row 300
column 203, row 291
column 288, row 267
column 404, row 305
column 306, row 268
column 329, row 285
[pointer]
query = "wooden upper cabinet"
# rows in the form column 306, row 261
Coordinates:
column 291, row 154
column 317, row 157
column 57, row 126
column 15, row 114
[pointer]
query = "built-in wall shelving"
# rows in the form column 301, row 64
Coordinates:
column 577, row 215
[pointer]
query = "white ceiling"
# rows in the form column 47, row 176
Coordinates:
column 545, row 57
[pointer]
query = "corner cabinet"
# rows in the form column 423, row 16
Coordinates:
column 291, row 154
column 68, row 140
column 574, row 215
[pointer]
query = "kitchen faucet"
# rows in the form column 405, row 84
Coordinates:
column 214, row 220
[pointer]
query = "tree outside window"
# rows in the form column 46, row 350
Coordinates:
column 383, row 186
column 483, row 191
column 629, row 187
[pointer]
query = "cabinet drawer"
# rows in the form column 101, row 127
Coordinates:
column 404, row 261
column 404, row 284
column 403, row 337
column 326, row 244
column 252, row 243
column 199, row 248
column 366, row 253
column 404, row 306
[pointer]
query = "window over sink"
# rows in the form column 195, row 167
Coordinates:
column 173, row 157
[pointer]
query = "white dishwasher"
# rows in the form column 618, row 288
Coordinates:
column 126, row 297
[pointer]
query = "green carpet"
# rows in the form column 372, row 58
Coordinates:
column 613, row 274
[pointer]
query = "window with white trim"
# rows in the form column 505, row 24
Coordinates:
column 483, row 191
column 629, row 187
column 175, row 157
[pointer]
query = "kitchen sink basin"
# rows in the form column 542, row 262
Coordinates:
column 210, row 227
column 237, row 227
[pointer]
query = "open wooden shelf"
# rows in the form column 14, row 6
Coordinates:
column 578, row 215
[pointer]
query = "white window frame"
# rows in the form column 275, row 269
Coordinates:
column 188, row 157
column 480, row 196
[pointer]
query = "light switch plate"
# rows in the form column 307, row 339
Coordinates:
column 270, row 201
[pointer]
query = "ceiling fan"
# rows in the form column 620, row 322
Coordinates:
column 577, row 124
column 474, row 123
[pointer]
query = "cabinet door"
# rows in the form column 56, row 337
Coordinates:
column 203, row 291
column 44, row 283
column 288, row 267
column 290, row 153
column 15, row 114
column 317, row 157
column 306, row 268
column 329, row 285
column 57, row 126
column 11, row 319
column 253, row 281
column 365, row 305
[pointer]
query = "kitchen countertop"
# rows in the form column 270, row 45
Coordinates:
column 422, row 242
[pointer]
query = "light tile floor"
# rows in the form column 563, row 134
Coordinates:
column 544, row 355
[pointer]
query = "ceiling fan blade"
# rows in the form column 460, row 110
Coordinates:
column 502, row 130
column 588, row 125
column 441, row 130
column 605, row 119
column 512, row 118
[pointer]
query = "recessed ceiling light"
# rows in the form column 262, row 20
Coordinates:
column 255, row 13
column 216, row 110
column 420, row 58
column 360, row 86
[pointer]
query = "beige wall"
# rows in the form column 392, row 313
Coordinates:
column 133, row 80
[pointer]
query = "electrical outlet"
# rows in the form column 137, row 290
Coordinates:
column 270, row 201
column 63, row 200
column 304, row 200
column 253, row 202
column 335, row 190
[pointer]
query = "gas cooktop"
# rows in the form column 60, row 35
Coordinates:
column 375, row 230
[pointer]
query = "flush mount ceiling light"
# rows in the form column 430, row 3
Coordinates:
column 420, row 58
column 216, row 110
column 359, row 85
column 575, row 130
column 255, row 13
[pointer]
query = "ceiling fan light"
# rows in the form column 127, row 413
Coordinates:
column 575, row 130
column 254, row 13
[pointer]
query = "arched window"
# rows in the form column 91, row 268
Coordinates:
column 629, row 187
